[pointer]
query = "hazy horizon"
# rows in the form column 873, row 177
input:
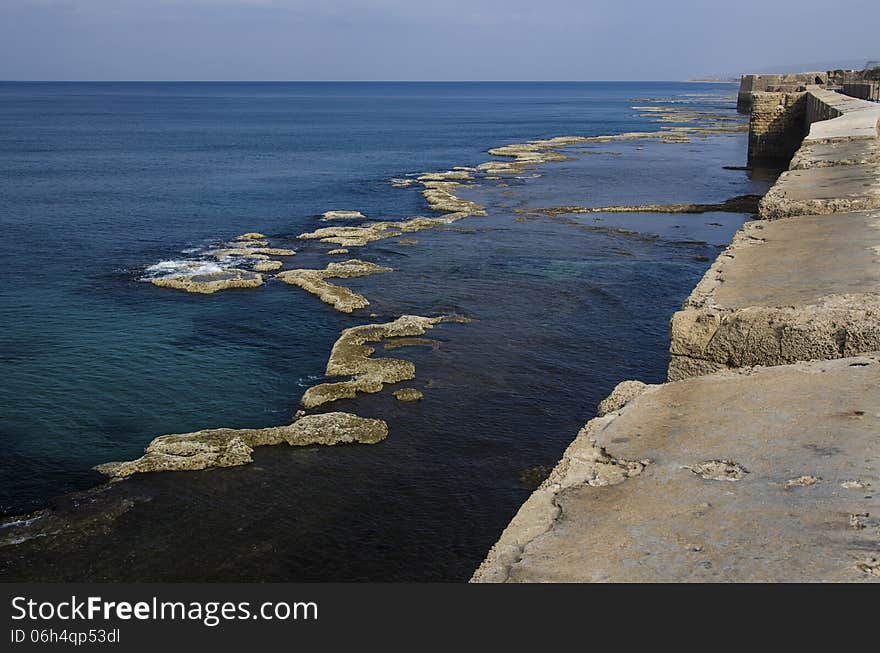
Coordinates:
column 391, row 40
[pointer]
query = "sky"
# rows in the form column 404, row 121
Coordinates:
column 418, row 40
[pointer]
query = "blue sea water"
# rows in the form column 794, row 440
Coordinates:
column 99, row 181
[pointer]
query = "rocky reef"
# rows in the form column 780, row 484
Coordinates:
column 229, row 447
column 250, row 252
column 341, row 298
column 210, row 282
column 352, row 357
column 251, row 235
column 267, row 266
column 239, row 264
column 738, row 204
column 408, row 394
column 371, row 231
column 342, row 215
column 440, row 196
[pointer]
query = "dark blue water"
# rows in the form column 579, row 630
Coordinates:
column 100, row 181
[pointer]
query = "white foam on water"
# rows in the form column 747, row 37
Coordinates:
column 179, row 268
column 13, row 523
column 308, row 380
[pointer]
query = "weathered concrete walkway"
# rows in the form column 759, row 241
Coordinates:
column 788, row 454
column 733, row 472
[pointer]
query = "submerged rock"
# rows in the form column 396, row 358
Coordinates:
column 341, row 298
column 74, row 517
column 351, row 357
column 230, row 447
column 408, row 394
column 532, row 477
column 210, row 282
column 411, row 342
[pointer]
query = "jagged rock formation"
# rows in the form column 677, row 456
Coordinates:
column 342, row 215
column 408, row 394
column 229, row 447
column 352, row 357
column 209, row 283
column 342, row 299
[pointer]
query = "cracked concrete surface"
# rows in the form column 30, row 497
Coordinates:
column 825, row 190
column 824, row 154
column 662, row 522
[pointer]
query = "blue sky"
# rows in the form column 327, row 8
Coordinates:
column 412, row 40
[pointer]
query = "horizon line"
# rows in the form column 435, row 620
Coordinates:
column 361, row 81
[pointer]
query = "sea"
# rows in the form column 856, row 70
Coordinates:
column 105, row 185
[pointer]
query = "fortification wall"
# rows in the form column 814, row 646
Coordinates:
column 783, row 83
column 777, row 126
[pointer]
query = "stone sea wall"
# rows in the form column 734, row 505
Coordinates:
column 758, row 460
column 776, row 126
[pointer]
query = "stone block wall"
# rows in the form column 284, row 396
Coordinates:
column 818, row 109
column 864, row 90
column 788, row 83
column 777, row 126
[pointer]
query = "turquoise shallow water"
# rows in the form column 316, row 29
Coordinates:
column 100, row 181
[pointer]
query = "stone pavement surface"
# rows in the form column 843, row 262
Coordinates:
column 768, row 474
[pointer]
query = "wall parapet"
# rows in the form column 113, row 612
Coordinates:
column 782, row 122
column 832, row 115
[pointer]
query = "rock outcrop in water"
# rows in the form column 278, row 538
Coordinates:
column 211, row 282
column 528, row 154
column 230, row 447
column 408, row 394
column 251, row 252
column 238, row 265
column 440, row 196
column 370, row 231
column 342, row 215
column 536, row 152
column 439, row 192
column 267, row 266
column 351, row 357
column 341, row 298
column 738, row 204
